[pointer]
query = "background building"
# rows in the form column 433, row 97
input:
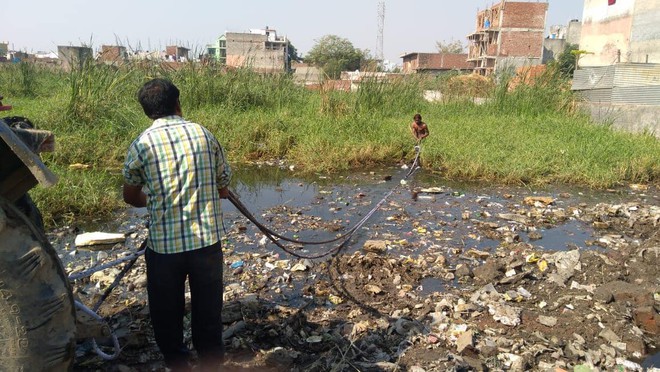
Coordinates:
column 218, row 51
column 620, row 31
column 559, row 38
column 73, row 56
column 113, row 54
column 435, row 63
column 175, row 53
column 261, row 50
column 305, row 74
column 508, row 35
column 619, row 76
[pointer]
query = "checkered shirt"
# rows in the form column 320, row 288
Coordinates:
column 181, row 166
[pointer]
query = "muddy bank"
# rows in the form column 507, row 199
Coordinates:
column 443, row 277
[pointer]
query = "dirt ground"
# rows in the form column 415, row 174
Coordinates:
column 415, row 295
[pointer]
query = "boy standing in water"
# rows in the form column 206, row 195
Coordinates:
column 419, row 128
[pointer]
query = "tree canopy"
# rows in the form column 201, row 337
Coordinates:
column 453, row 46
column 335, row 54
column 567, row 60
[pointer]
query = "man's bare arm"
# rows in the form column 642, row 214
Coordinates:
column 424, row 132
column 134, row 196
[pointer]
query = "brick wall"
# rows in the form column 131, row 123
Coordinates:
column 521, row 44
column 458, row 61
column 410, row 63
column 170, row 50
column 524, row 15
column 429, row 60
column 439, row 61
column 112, row 53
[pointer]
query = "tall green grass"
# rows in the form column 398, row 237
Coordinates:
column 99, row 93
column 530, row 133
column 20, row 79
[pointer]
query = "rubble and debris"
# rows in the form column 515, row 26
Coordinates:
column 463, row 281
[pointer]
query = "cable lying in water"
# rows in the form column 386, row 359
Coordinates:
column 344, row 238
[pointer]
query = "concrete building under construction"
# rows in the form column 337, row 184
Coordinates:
column 509, row 34
column 260, row 49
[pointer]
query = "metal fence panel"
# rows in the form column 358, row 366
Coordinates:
column 637, row 74
column 644, row 95
column 596, row 95
column 594, row 78
column 623, row 83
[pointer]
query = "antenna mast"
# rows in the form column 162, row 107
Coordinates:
column 381, row 27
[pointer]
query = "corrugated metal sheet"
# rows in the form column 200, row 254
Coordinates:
column 594, row 78
column 623, row 83
column 596, row 95
column 637, row 74
column 647, row 95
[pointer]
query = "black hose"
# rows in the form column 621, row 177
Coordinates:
column 121, row 274
column 271, row 235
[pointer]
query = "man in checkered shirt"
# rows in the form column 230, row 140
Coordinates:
column 177, row 169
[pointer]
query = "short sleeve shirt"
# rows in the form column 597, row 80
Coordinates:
column 181, row 166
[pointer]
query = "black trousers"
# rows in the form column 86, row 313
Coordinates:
column 166, row 277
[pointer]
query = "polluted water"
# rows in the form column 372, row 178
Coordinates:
column 441, row 276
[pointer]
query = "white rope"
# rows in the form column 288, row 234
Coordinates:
column 115, row 341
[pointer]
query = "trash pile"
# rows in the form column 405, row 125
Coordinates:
column 445, row 280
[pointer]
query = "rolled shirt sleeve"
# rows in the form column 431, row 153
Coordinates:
column 133, row 171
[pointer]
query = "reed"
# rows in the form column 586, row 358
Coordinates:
column 20, row 79
column 515, row 132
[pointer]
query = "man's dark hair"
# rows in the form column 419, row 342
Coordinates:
column 417, row 116
column 159, row 98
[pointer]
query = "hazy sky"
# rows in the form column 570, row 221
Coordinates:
column 410, row 25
